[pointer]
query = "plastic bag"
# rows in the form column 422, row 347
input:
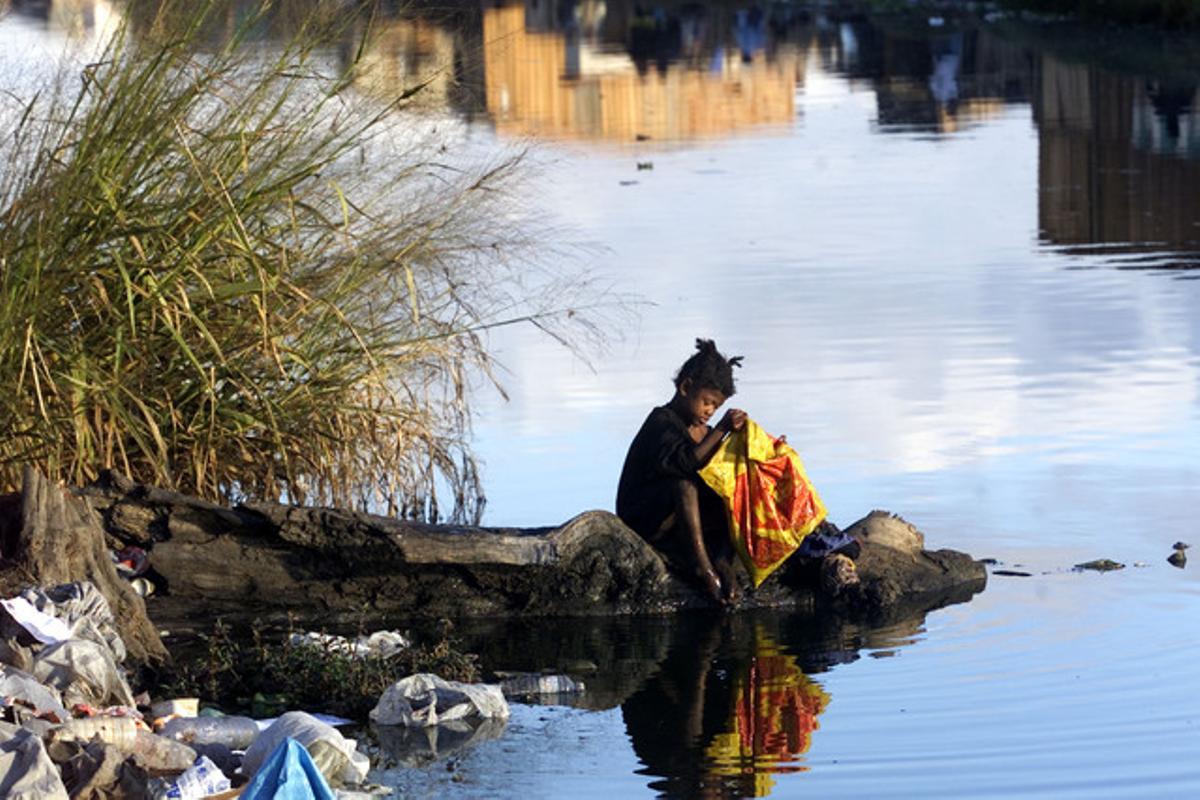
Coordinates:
column 29, row 695
column 340, row 762
column 85, row 672
column 288, row 773
column 201, row 779
column 424, row 699
column 26, row 771
column 44, row 627
column 380, row 644
column 772, row 505
column 82, row 607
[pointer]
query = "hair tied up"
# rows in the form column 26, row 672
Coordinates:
column 708, row 369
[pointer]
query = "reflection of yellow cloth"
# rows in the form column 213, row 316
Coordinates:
column 775, row 709
column 772, row 506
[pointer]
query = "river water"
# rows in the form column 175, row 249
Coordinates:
column 959, row 256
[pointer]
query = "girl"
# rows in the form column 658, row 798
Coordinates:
column 661, row 495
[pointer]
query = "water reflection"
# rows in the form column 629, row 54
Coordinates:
column 1118, row 153
column 923, row 81
column 1118, row 164
column 418, row 747
column 714, row 706
column 624, row 72
column 76, row 19
column 727, row 711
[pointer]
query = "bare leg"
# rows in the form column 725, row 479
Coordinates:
column 687, row 512
column 717, row 541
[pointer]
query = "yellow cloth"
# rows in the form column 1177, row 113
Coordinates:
column 771, row 503
column 774, row 714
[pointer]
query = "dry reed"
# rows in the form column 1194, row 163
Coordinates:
column 225, row 271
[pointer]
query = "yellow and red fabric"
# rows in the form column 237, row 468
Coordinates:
column 771, row 503
column 771, row 722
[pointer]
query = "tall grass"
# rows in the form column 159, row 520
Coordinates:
column 223, row 270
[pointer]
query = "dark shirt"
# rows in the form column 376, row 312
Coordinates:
column 662, row 452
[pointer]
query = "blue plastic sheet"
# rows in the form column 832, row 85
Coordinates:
column 288, row 774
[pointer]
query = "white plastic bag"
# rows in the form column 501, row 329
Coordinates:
column 423, row 700
column 26, row 771
column 201, row 779
column 308, row 730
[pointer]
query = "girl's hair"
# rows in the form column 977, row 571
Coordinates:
column 708, row 369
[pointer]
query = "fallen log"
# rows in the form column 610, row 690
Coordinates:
column 263, row 561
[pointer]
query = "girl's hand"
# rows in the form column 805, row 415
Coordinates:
column 733, row 420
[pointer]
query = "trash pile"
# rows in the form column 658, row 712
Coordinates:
column 71, row 727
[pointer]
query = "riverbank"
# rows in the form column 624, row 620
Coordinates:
column 272, row 562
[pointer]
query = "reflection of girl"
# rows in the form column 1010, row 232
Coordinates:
column 723, row 712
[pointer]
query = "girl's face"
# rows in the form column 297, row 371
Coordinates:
column 700, row 404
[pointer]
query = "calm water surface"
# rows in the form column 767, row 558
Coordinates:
column 960, row 259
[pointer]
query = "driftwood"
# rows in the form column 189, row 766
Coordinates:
column 264, row 561
column 50, row 536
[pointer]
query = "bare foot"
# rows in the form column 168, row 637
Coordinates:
column 711, row 584
column 728, row 581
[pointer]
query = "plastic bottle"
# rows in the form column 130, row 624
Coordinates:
column 531, row 684
column 160, row 754
column 236, row 733
column 118, row 731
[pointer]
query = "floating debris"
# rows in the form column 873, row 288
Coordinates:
column 644, row 165
column 1012, row 573
column 1100, row 565
column 529, row 683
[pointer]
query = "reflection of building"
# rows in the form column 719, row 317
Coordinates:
column 1097, row 185
column 93, row 20
column 408, row 55
column 558, row 84
column 941, row 83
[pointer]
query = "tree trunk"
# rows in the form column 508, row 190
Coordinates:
column 48, row 536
